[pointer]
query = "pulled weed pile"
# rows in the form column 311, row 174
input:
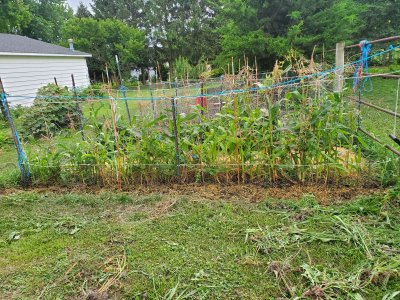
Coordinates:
column 361, row 240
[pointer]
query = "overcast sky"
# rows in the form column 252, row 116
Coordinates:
column 74, row 3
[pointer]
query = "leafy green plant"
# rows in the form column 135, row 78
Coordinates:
column 94, row 90
column 5, row 138
column 53, row 109
column 287, row 140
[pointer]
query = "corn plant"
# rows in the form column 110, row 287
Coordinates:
column 297, row 138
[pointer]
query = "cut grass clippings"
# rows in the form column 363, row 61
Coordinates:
column 171, row 246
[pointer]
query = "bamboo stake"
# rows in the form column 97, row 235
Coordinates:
column 113, row 114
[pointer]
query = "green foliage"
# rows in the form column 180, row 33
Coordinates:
column 94, row 90
column 175, row 28
column 131, row 13
column 268, row 30
column 182, row 69
column 36, row 19
column 380, row 18
column 14, row 16
column 112, row 37
column 48, row 18
column 199, row 29
column 53, row 109
column 9, row 179
column 82, row 11
column 5, row 138
column 297, row 139
column 395, row 69
column 318, row 25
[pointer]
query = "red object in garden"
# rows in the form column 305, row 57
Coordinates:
column 201, row 101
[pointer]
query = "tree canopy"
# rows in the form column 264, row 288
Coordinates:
column 104, row 39
column 147, row 32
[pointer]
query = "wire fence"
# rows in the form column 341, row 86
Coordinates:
column 235, row 128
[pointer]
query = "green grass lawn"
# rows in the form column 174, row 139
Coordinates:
column 382, row 93
column 179, row 246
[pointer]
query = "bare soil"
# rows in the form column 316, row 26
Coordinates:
column 246, row 192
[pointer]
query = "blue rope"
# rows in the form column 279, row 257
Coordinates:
column 362, row 67
column 228, row 92
column 22, row 158
column 123, row 88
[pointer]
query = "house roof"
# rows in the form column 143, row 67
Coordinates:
column 12, row 44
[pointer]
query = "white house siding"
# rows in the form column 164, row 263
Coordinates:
column 22, row 76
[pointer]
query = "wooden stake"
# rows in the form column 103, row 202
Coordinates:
column 339, row 67
column 78, row 108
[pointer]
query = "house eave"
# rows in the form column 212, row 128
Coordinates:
column 44, row 54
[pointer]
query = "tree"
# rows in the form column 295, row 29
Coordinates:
column 129, row 11
column 104, row 39
column 181, row 28
column 173, row 28
column 269, row 29
column 221, row 29
column 381, row 18
column 48, row 18
column 245, row 29
column 14, row 16
column 320, row 22
column 82, row 11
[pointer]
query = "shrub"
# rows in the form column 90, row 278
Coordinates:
column 5, row 138
column 395, row 69
column 182, row 69
column 95, row 90
column 52, row 110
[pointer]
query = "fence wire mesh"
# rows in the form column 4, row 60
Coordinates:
column 231, row 129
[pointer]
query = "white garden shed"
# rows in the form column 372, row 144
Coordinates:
column 27, row 64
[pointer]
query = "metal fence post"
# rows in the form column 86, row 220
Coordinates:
column 153, row 105
column 22, row 159
column 177, row 150
column 123, row 91
column 202, row 97
column 221, row 91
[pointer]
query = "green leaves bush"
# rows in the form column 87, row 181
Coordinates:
column 5, row 139
column 53, row 109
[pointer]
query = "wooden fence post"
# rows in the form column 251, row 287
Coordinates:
column 123, row 90
column 339, row 80
column 78, row 108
